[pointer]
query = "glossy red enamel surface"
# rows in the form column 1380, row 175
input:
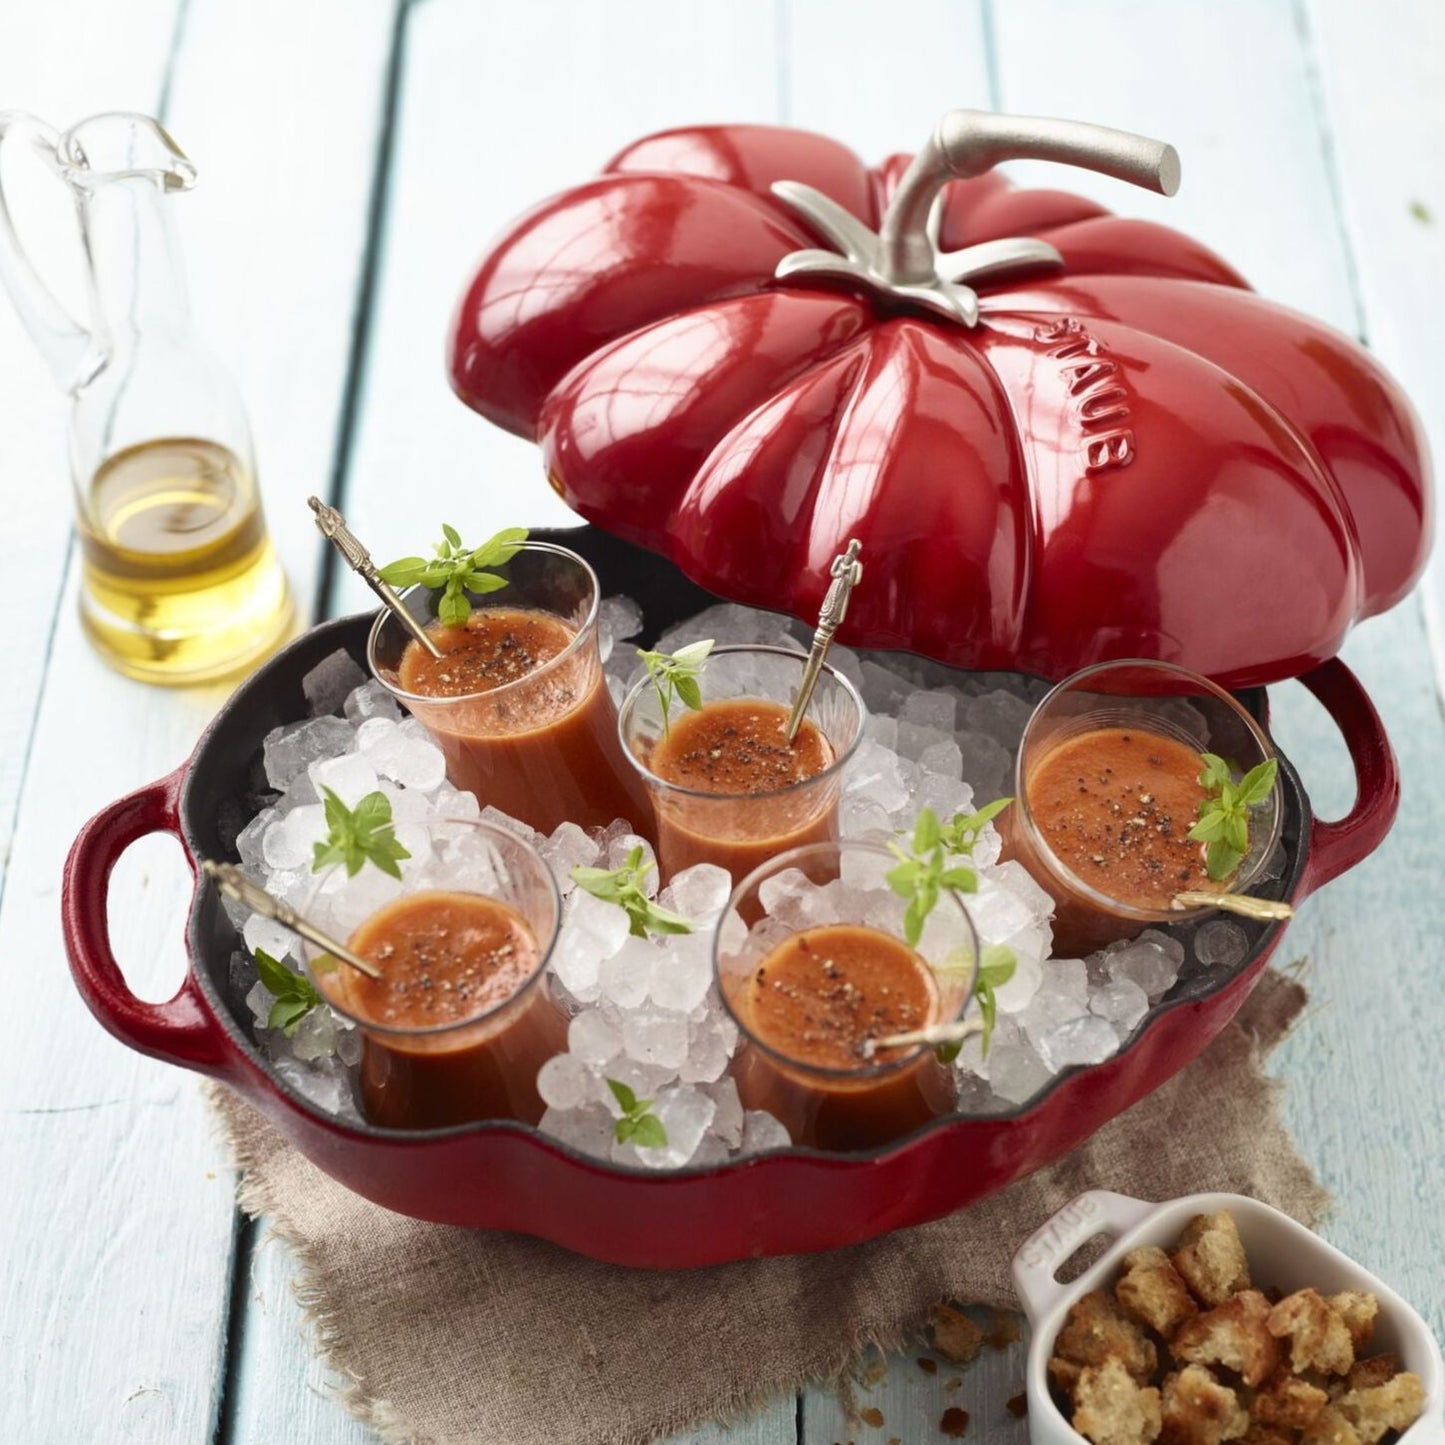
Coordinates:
column 1081, row 476
column 507, row 1176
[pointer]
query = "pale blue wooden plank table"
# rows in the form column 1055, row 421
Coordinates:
column 355, row 156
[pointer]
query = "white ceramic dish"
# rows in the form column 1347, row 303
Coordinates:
column 1282, row 1254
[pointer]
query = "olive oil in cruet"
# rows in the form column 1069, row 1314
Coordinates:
column 179, row 580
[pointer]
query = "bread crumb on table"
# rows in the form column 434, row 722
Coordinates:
column 955, row 1336
column 954, row 1422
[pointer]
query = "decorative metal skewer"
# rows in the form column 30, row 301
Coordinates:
column 332, row 525
column 235, row 885
column 934, row 1035
column 1262, row 910
column 847, row 573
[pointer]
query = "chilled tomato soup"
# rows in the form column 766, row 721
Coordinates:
column 1115, row 806
column 537, row 741
column 445, row 960
column 735, row 752
column 813, row 1002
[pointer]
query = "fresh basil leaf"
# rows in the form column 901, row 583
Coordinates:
column 452, row 535
column 1221, row 860
column 962, row 880
column 287, row 1015
column 689, row 691
column 693, row 655
column 598, row 882
column 279, row 979
column 660, row 920
column 901, row 878
column 626, row 1099
column 483, row 582
column 404, row 572
column 913, row 917
column 648, row 1133
column 624, row 887
column 336, row 811
column 1216, row 772
column 997, row 965
column 1258, row 783
column 927, row 833
column 453, row 609
column 386, row 861
column 500, row 548
column 988, row 1012
column 372, row 811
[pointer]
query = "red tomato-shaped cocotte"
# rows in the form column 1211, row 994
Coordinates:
column 1127, row 453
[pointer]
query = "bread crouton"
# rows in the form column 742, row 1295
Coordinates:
column 1377, row 1370
column 1197, row 1410
column 1288, row 1402
column 1211, row 1258
column 1358, row 1308
column 1097, row 1330
column 1065, row 1374
column 955, row 1336
column 1393, row 1406
column 1233, row 1335
column 1258, row 1434
column 1112, row 1409
column 1318, row 1337
column 1154, row 1292
column 1329, row 1427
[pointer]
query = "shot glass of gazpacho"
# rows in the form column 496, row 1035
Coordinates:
column 517, row 701
column 812, row 963
column 460, row 1019
column 727, row 787
column 1118, row 765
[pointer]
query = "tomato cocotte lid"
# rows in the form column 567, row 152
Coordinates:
column 1060, row 435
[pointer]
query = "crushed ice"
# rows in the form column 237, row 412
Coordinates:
column 644, row 1012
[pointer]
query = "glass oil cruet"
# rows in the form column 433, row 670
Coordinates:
column 180, row 583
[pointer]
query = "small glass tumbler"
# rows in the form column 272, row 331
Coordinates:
column 1106, row 792
column 543, row 747
column 475, row 1063
column 811, row 960
column 741, row 830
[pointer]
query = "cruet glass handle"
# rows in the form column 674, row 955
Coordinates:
column 66, row 345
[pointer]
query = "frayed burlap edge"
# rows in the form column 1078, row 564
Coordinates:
column 321, row 1312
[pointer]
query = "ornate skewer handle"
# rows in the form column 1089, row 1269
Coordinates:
column 847, row 573
column 249, row 894
column 332, row 525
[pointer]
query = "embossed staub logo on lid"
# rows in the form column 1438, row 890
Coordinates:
column 1100, row 398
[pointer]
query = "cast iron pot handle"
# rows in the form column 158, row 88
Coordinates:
column 1335, row 847
column 181, row 1030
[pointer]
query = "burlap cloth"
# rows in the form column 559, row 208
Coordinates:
column 450, row 1336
